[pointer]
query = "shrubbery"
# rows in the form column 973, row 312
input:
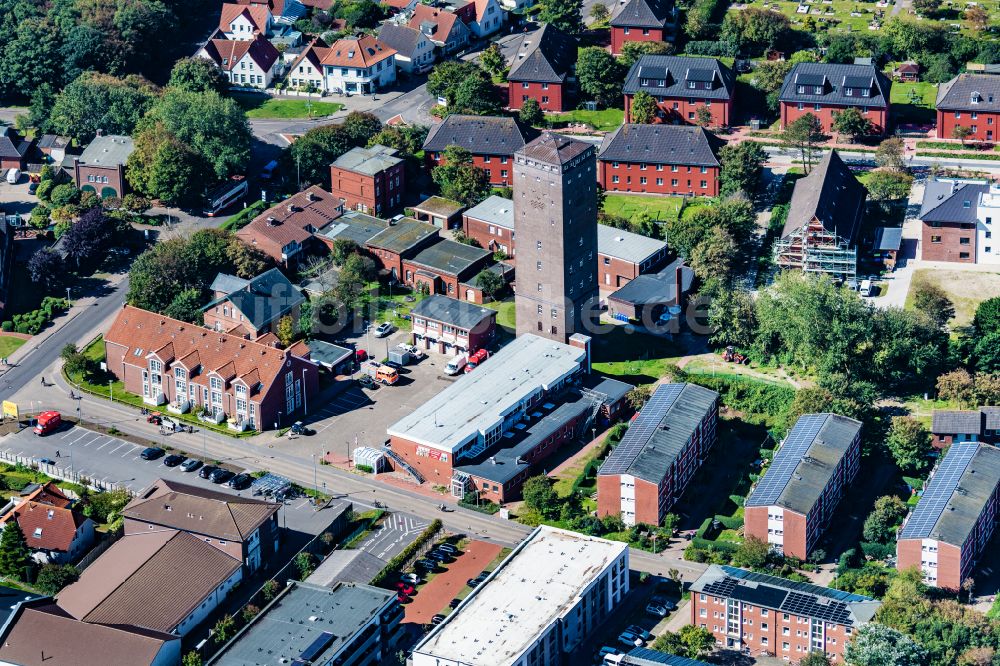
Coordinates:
column 33, row 322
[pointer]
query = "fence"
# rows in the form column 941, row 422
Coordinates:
column 64, row 475
column 109, row 539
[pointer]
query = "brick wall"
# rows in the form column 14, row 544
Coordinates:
column 755, row 522
column 647, row 502
column 684, row 110
column 548, row 95
column 986, row 125
column 613, row 273
column 791, row 112
column 115, row 176
column 609, row 499
column 619, row 37
column 494, row 164
column 658, row 179
column 480, row 231
column 944, row 243
column 794, row 525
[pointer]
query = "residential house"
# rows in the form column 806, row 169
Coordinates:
column 642, row 21
column 401, row 241
column 756, row 613
column 370, row 180
column 55, row 531
column 442, row 213
column 824, row 220
column 166, row 361
column 444, row 28
column 396, row 7
column 446, row 267
column 54, row 147
column 101, row 167
column 491, row 224
column 306, row 70
column 251, row 63
column 163, row 580
column 492, row 140
column 13, row 149
column 488, row 18
column 252, row 308
column 286, row 232
column 667, row 442
column 541, row 66
column 794, row 501
column 965, row 425
column 652, row 298
column 244, row 22
column 683, row 86
column 450, row 326
column 361, row 65
column 908, row 72
column 957, row 221
column 971, row 101
column 826, row 89
column 660, row 159
column 414, row 50
column 622, row 256
column 242, row 527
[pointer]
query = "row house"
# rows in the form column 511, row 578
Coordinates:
column 826, row 89
column 642, row 21
column 660, row 159
column 664, row 446
column 492, row 140
column 794, row 501
column 949, row 426
column 970, row 101
column 488, row 18
column 957, row 218
column 247, row 63
column 415, row 52
column 953, row 523
column 400, row 241
column 451, row 326
column 252, row 308
column 287, row 231
column 225, row 377
column 491, row 224
column 540, row 68
column 244, row 22
column 370, row 180
column 446, row 267
column 444, row 29
column 682, row 87
column 764, row 615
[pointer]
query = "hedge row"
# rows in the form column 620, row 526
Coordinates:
column 963, row 156
column 408, row 553
column 32, row 322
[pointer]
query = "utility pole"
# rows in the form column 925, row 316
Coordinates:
column 111, row 389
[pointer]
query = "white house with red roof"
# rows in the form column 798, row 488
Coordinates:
column 249, row 63
column 489, row 18
column 244, row 22
column 361, row 65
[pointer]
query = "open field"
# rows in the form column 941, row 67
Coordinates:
column 9, row 344
column 966, row 289
column 261, row 106
column 913, row 102
column 604, row 120
column 661, row 208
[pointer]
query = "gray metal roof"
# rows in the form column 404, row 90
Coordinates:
column 495, row 210
column 298, row 619
column 448, row 310
column 368, row 161
column 647, row 657
column 660, row 432
column 614, row 389
column 346, row 566
column 328, row 354
column 354, row 226
column 954, row 498
column 227, row 284
column 656, row 288
column 804, row 464
column 957, row 422
column 480, row 135
column 626, row 245
column 661, row 144
column 888, row 238
column 545, row 55
column 451, row 257
column 832, row 195
column 958, row 94
column 553, row 148
column 263, row 299
column 644, row 14
column 110, row 150
column 836, row 79
column 670, row 76
column 401, row 38
column 955, row 201
column 403, row 235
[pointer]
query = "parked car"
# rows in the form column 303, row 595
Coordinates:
column 240, row 482
column 190, row 465
column 448, row 548
column 173, row 460
column 13, row 176
column 220, row 475
column 405, row 588
column 427, row 565
column 383, row 373
column 151, row 453
column 454, row 603
column 47, row 422
column 360, row 356
column 411, row 578
column 403, row 598
column 477, row 581
column 605, row 651
column 657, row 610
column 32, row 187
column 299, row 429
column 366, row 381
column 639, row 631
column 630, row 639
column 438, row 557
column 456, row 364
column 437, row 619
column 661, row 600
column 207, row 471
column 415, row 352
column 384, row 329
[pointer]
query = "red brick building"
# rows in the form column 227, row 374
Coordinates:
column 950, row 426
column 622, row 256
column 491, row 224
column 643, row 21
column 446, row 267
column 370, row 180
column 681, row 87
column 187, row 367
column 401, row 241
column 949, row 215
column 450, row 326
column 13, row 149
column 971, row 101
column 252, row 308
column 101, row 167
column 492, row 140
column 760, row 615
column 954, row 521
column 286, row 232
column 539, row 68
column 649, row 470
column 795, row 500
column 660, row 159
column 826, row 89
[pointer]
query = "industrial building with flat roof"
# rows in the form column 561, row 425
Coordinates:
column 659, row 454
column 539, row 605
column 955, row 518
column 795, row 500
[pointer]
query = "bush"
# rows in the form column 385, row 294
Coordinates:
column 7, row 326
column 367, row 469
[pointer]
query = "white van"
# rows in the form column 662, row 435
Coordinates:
column 866, row 288
column 13, row 176
column 456, row 364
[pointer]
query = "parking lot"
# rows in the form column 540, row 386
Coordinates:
column 395, row 533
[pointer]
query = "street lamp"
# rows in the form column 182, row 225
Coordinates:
column 315, row 482
column 111, row 389
column 68, row 299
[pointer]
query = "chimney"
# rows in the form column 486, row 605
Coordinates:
column 679, row 288
column 100, row 132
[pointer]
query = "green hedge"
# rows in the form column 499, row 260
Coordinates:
column 482, row 507
column 963, row 156
column 245, row 216
column 33, row 322
column 407, row 553
column 750, row 396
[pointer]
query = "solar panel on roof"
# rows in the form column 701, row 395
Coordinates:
column 642, row 428
column 787, row 459
column 939, row 491
column 316, row 648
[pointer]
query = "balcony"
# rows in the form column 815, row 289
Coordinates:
column 155, row 398
column 217, row 416
column 238, row 425
column 179, row 407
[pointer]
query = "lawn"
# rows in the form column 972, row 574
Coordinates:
column 633, row 356
column 245, row 216
column 262, row 106
column 913, row 102
column 505, row 313
column 604, row 120
column 661, row 208
column 966, row 289
column 9, row 344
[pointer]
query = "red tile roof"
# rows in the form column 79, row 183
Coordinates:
column 228, row 52
column 357, row 52
column 445, row 21
column 277, row 7
column 46, row 527
column 295, row 219
column 257, row 15
column 48, row 493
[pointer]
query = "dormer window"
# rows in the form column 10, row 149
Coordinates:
column 216, row 383
column 849, row 92
column 241, row 390
column 818, row 90
column 966, row 204
column 708, row 85
column 692, row 85
column 154, row 365
column 975, row 98
column 661, row 83
column 179, row 373
column 865, row 92
column 801, row 90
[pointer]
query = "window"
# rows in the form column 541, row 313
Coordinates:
column 625, row 30
column 659, row 181
column 963, row 255
column 538, row 245
column 673, row 182
column 963, row 241
column 704, row 184
column 555, row 313
column 539, row 309
column 538, row 265
column 801, row 106
column 935, row 239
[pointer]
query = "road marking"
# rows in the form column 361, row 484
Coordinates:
column 85, row 434
column 68, row 433
column 117, row 447
column 110, row 441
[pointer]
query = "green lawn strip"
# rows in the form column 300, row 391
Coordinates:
column 245, row 216
column 505, row 313
column 636, row 357
column 962, row 156
column 661, row 208
column 604, row 120
column 262, row 106
column 9, row 344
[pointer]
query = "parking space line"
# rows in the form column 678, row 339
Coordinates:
column 85, row 434
column 88, row 442
column 110, row 441
column 117, row 447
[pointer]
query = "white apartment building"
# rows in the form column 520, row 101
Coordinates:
column 987, row 226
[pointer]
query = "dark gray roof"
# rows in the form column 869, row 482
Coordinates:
column 655, row 288
column 786, row 596
column 952, row 201
column 805, row 463
column 12, row 146
column 403, row 235
column 545, row 55
column 836, row 79
column 368, row 161
column 957, row 422
column 10, row 601
column 957, row 94
column 460, row 314
column 647, row 657
column 227, row 284
column 264, row 299
column 450, row 257
column 356, row 226
column 660, row 431
column 614, row 389
column 685, row 145
column 831, row 194
column 481, row 135
column 328, row 354
column 402, row 38
column 347, row 566
column 991, row 416
column 54, row 141
column 553, row 148
column 669, row 76
column 888, row 238
column 644, row 14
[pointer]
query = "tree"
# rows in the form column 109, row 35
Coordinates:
column 465, row 87
column 752, row 553
column 198, row 75
column 733, row 318
column 407, row 139
column 490, row 282
column 632, row 51
column 186, row 306
column 224, row 628
column 15, row 556
column 492, row 60
column 815, row 659
column 600, row 12
column 567, row 15
column 713, row 258
column 699, row 641
column 754, row 29
column 286, row 330
column 978, row 18
column 742, row 165
column 540, row 497
column 446, row 76
column 803, row 134
column 961, row 132
column 987, row 317
column 47, row 269
column 956, row 386
column 887, row 514
column 875, row 644
column 703, row 116
column 531, row 112
column 932, row 300
column 192, row 658
column 852, row 123
column 361, row 127
column 360, row 13
column 459, row 179
column 64, row 195
column 599, row 76
column 74, row 362
column 644, row 108
column 986, row 388
column 889, row 154
column 926, row 7
column 87, row 241
column 768, row 77
column 31, row 55
column 165, row 168
column 885, row 186
column 101, row 102
column 639, row 396
column 670, row 643
column 986, row 353
column 313, row 152
column 909, row 443
column 306, row 564
column 269, row 590
column 686, row 231
column 54, row 577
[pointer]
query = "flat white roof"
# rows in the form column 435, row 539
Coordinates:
column 538, row 583
column 480, row 400
column 626, row 245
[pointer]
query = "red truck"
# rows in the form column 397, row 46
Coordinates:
column 47, row 422
column 476, row 359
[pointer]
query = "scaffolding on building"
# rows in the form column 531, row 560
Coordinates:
column 815, row 249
